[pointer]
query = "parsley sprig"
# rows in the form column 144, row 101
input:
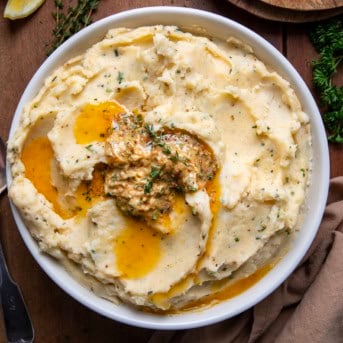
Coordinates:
column 75, row 19
column 328, row 41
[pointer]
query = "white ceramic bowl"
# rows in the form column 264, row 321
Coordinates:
column 220, row 27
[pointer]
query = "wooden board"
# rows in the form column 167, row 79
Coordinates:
column 305, row 5
column 267, row 11
column 57, row 318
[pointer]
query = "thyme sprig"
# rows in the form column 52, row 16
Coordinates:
column 328, row 41
column 75, row 19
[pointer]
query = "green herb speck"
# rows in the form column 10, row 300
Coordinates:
column 120, row 77
column 89, row 147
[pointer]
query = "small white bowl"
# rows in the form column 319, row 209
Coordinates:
column 219, row 27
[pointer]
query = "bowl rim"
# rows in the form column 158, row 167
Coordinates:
column 254, row 294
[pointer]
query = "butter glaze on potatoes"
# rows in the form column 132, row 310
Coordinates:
column 218, row 234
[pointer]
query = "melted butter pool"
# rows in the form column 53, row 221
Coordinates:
column 37, row 156
column 137, row 249
column 94, row 122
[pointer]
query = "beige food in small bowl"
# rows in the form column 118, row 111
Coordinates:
column 163, row 168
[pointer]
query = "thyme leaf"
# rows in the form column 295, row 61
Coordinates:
column 155, row 172
column 70, row 21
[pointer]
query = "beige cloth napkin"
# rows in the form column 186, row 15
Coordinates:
column 307, row 307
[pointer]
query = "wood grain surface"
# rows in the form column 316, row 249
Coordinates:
column 56, row 316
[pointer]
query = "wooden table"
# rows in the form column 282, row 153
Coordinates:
column 56, row 316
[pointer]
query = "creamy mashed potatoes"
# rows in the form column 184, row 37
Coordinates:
column 162, row 168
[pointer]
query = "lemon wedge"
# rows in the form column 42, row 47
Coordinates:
column 16, row 9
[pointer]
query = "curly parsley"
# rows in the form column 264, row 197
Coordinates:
column 328, row 41
column 70, row 21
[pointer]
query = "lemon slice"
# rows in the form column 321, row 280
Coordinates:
column 16, row 9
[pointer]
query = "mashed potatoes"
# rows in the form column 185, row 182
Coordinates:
column 162, row 168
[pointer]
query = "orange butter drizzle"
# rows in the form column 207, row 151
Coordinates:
column 94, row 122
column 37, row 156
column 228, row 292
column 137, row 249
column 138, row 246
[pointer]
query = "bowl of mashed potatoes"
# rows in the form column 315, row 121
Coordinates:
column 167, row 167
